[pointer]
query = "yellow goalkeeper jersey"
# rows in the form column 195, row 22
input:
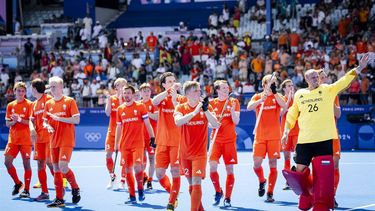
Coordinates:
column 314, row 111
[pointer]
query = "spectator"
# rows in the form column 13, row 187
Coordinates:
column 94, row 86
column 4, row 77
column 28, row 54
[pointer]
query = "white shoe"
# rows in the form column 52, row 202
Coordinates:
column 121, row 185
column 111, row 182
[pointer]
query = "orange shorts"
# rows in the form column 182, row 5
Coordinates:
column 291, row 143
column 110, row 143
column 129, row 157
column 336, row 147
column 12, row 150
column 61, row 154
column 227, row 150
column 194, row 168
column 42, row 151
column 269, row 147
column 166, row 155
column 149, row 149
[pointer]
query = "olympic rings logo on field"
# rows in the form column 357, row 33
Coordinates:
column 92, row 136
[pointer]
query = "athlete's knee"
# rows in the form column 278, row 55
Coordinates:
column 175, row 171
column 63, row 166
column 273, row 163
column 257, row 162
column 336, row 161
column 138, row 168
column 109, row 154
column 196, row 180
column 160, row 173
column 230, row 169
column 213, row 166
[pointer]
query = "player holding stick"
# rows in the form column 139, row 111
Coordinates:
column 223, row 143
column 113, row 102
column 131, row 118
column 268, row 133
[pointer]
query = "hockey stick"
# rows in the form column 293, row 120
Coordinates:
column 114, row 166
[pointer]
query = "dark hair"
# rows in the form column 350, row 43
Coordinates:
column 39, row 85
column 129, row 87
column 164, row 76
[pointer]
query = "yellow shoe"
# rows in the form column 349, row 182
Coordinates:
column 37, row 185
column 65, row 183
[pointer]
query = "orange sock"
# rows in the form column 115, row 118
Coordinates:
column 215, row 181
column 27, row 176
column 196, row 197
column 336, row 179
column 58, row 180
column 176, row 183
column 42, row 176
column 272, row 180
column 109, row 164
column 13, row 173
column 165, row 183
column 130, row 182
column 260, row 174
column 229, row 185
column 71, row 179
column 287, row 164
column 139, row 177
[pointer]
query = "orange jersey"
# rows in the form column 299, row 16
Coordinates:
column 64, row 135
column 294, row 131
column 227, row 130
column 151, row 109
column 115, row 103
column 194, row 138
column 168, row 133
column 19, row 134
column 37, row 116
column 131, row 120
column 269, row 123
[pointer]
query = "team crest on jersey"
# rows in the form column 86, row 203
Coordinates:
column 228, row 107
column 113, row 104
column 149, row 107
column 273, row 101
column 201, row 113
column 123, row 114
column 42, row 105
column 12, row 110
column 216, row 109
column 163, row 103
column 64, row 106
column 50, row 109
column 24, row 109
column 135, row 112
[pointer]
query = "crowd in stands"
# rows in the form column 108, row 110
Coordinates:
column 220, row 53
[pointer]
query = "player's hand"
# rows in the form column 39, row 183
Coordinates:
column 363, row 62
column 205, row 104
column 198, row 108
column 284, row 139
column 50, row 129
column 53, row 116
column 116, row 147
column 273, row 88
column 177, row 86
column 14, row 117
column 173, row 92
column 264, row 96
column 152, row 142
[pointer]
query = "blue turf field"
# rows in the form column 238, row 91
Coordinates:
column 356, row 190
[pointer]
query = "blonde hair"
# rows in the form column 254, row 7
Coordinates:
column 144, row 86
column 56, row 79
column 19, row 85
column 188, row 85
column 217, row 83
column 266, row 79
column 120, row 81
